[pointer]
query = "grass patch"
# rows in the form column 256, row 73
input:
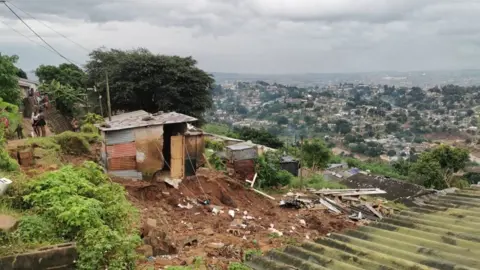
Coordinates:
column 316, row 182
column 75, row 143
column 238, row 266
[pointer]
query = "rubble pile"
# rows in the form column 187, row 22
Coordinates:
column 340, row 201
column 218, row 219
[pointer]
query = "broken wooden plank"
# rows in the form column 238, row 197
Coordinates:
column 348, row 198
column 253, row 181
column 264, row 194
column 373, row 210
column 206, row 161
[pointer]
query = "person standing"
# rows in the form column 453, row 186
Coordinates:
column 41, row 124
column 35, row 124
column 19, row 131
column 75, row 125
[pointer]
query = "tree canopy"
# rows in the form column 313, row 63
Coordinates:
column 65, row 74
column 140, row 79
column 316, row 153
column 9, row 89
column 436, row 168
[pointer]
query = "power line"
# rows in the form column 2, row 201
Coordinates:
column 49, row 27
column 27, row 37
column 33, row 31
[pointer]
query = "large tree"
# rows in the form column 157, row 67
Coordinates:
column 437, row 167
column 140, row 79
column 66, row 74
column 9, row 89
column 65, row 85
column 316, row 153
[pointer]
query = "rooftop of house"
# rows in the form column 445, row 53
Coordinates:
column 141, row 118
column 441, row 232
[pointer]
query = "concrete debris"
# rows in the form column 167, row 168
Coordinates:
column 231, row 213
column 275, row 231
column 215, row 211
column 188, row 206
column 173, row 182
column 302, row 222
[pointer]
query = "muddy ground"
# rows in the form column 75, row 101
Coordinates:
column 220, row 238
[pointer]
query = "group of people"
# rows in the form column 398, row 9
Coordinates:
column 39, row 123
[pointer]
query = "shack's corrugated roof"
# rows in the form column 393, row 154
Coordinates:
column 442, row 233
column 138, row 120
column 126, row 115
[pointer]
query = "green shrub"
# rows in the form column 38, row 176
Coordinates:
column 82, row 205
column 317, row 182
column 91, row 137
column 88, row 128
column 92, row 118
column 44, row 143
column 270, row 174
column 214, row 145
column 35, row 229
column 7, row 163
column 250, row 253
column 72, row 143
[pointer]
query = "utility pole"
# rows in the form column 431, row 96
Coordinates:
column 109, row 106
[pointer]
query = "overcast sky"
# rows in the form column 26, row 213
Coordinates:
column 257, row 36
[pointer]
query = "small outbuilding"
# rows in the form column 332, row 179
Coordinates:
column 137, row 143
column 290, row 164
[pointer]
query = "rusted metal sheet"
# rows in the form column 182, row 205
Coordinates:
column 177, row 166
column 149, row 147
column 120, row 136
column 122, row 150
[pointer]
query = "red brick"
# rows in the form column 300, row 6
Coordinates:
column 122, row 163
column 122, row 150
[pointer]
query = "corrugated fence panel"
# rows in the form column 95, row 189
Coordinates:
column 121, row 150
column 127, row 174
column 120, row 136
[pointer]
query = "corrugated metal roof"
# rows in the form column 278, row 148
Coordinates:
column 442, row 233
column 137, row 120
column 126, row 115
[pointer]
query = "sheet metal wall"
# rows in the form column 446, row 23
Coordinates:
column 119, row 136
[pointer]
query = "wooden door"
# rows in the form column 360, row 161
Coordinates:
column 177, row 162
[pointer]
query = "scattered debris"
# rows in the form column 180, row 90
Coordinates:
column 338, row 201
column 231, row 213
column 173, row 182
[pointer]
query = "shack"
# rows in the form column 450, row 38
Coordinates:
column 241, row 157
column 290, row 164
column 138, row 144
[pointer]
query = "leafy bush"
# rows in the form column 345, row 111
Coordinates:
column 214, row 145
column 48, row 143
column 270, row 174
column 7, row 163
column 88, row 128
column 35, row 229
column 92, row 118
column 82, row 205
column 72, row 143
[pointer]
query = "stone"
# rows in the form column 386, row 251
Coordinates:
column 8, row 223
column 236, row 223
column 145, row 250
column 160, row 242
column 208, row 231
column 215, row 245
column 149, row 225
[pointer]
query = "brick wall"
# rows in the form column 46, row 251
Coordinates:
column 122, row 163
column 121, row 150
